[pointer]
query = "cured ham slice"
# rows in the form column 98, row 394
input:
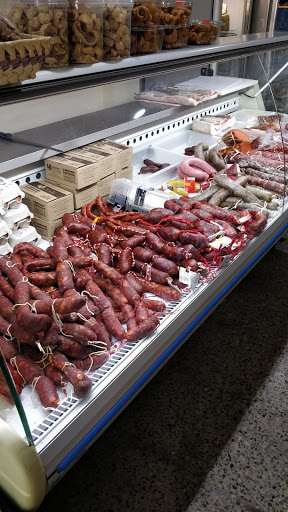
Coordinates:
column 177, row 96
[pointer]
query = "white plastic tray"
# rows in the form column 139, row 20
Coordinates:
column 182, row 139
column 156, row 154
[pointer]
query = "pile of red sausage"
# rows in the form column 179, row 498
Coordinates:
column 62, row 307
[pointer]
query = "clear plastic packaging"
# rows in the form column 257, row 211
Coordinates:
column 175, row 37
column 146, row 40
column 5, row 231
column 204, row 32
column 43, row 18
column 146, row 14
column 176, row 13
column 18, row 217
column 85, row 23
column 5, row 247
column 163, row 94
column 117, row 30
column 28, row 234
column 135, row 196
column 10, row 195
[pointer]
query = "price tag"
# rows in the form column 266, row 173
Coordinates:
column 188, row 277
column 140, row 196
column 189, row 185
column 221, row 242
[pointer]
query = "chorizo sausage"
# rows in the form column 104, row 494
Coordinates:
column 141, row 313
column 169, row 233
column 64, row 276
column 165, row 292
column 108, row 272
column 126, row 260
column 164, row 265
column 144, row 254
column 97, row 296
column 152, row 273
column 142, row 330
column 80, row 382
column 132, row 242
column 78, row 332
column 6, row 288
column 72, row 348
column 32, row 322
column 47, row 392
column 93, row 362
column 113, row 325
column 129, row 291
column 104, row 254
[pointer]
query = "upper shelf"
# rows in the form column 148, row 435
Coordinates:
column 226, row 44
column 74, row 77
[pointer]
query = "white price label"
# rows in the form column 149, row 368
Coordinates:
column 244, row 219
column 188, row 277
column 221, row 242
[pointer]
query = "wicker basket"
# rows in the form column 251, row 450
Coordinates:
column 21, row 59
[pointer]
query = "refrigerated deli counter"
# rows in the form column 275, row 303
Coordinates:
column 64, row 109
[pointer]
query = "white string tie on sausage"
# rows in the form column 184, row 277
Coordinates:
column 8, row 336
column 13, row 363
column 70, row 265
column 23, row 304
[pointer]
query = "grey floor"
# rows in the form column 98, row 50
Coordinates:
column 210, row 432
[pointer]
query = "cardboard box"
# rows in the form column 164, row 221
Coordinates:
column 47, row 201
column 125, row 173
column 78, row 168
column 105, row 185
column 107, row 159
column 123, row 154
column 44, row 228
column 83, row 196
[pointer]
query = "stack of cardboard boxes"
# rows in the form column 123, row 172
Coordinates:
column 48, row 204
column 81, row 175
column 89, row 171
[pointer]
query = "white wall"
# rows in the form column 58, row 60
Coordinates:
column 32, row 113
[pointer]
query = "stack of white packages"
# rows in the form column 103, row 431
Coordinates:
column 15, row 218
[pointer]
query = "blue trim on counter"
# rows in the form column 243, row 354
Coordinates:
column 80, row 447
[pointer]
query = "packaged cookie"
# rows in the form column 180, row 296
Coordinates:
column 146, row 40
column 204, row 32
column 43, row 18
column 175, row 13
column 85, row 27
column 117, row 29
column 146, row 13
column 175, row 37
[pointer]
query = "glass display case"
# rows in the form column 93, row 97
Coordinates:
column 241, row 80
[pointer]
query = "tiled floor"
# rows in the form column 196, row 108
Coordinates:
column 210, row 432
